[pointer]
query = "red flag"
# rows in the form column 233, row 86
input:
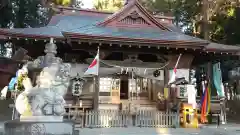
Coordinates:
column 93, row 69
column 173, row 77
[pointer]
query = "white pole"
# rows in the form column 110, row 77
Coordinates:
column 178, row 60
column 132, row 94
column 51, row 40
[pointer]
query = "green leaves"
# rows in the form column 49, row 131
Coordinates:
column 222, row 24
column 22, row 13
column 230, row 12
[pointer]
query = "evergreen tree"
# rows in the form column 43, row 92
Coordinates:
column 22, row 14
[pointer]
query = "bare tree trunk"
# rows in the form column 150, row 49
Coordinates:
column 73, row 3
column 205, row 19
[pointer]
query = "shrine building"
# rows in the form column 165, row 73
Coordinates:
column 138, row 51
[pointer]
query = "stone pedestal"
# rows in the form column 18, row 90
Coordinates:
column 38, row 126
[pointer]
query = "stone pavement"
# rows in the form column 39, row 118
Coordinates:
column 1, row 127
column 161, row 131
column 228, row 129
column 138, row 131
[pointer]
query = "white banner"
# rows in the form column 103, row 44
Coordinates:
column 181, row 73
column 191, row 93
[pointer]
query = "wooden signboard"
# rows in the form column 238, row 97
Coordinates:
column 115, row 91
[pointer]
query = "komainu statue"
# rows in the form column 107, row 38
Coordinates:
column 46, row 98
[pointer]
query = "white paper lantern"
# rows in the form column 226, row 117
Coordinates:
column 77, row 87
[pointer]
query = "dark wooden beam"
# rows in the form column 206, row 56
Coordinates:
column 131, row 49
column 190, row 45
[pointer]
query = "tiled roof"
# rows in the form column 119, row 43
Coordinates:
column 134, row 33
column 47, row 31
column 84, row 24
column 87, row 23
column 76, row 21
column 215, row 46
column 173, row 28
column 55, row 30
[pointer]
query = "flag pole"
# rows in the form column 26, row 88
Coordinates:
column 178, row 60
column 96, row 85
column 173, row 77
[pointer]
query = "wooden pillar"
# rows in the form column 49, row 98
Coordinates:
column 96, row 92
column 209, row 72
column 166, row 80
column 149, row 89
column 166, row 77
column 205, row 19
column 209, row 80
